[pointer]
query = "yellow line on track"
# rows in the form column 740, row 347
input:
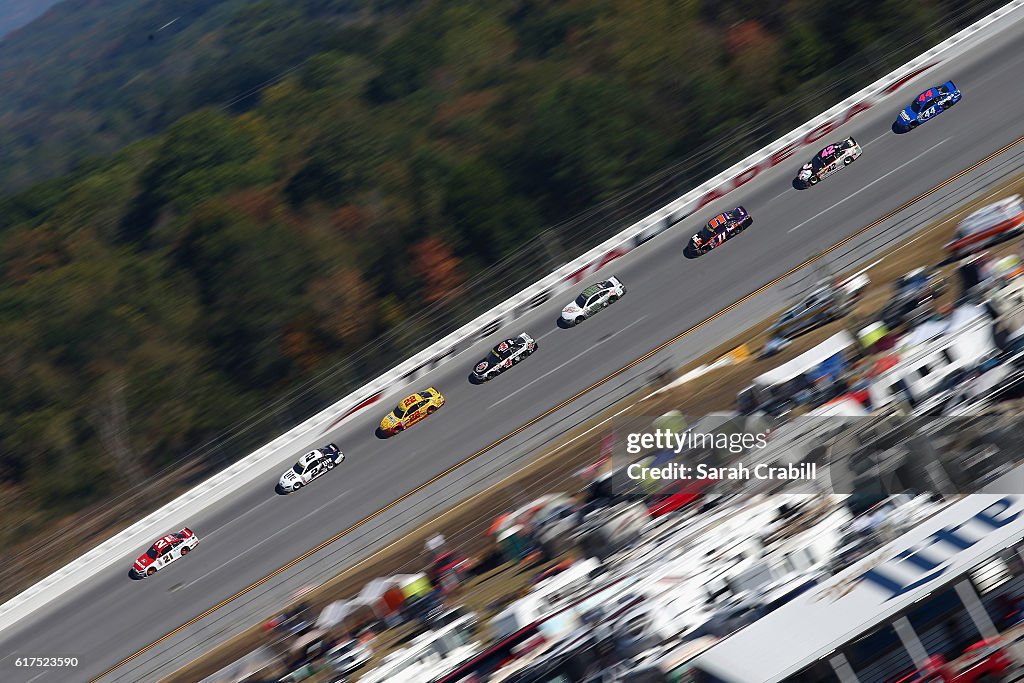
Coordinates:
column 875, row 223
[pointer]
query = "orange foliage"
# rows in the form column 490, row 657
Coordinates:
column 437, row 266
column 344, row 305
column 351, row 220
column 747, row 36
column 27, row 252
column 299, row 345
column 755, row 52
column 470, row 104
column 258, row 203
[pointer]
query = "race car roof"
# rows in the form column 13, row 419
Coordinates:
column 505, row 347
column 591, row 290
column 306, row 457
column 409, row 400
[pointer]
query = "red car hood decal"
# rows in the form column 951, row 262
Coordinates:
column 143, row 562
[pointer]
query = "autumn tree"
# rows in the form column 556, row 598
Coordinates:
column 437, row 267
column 344, row 305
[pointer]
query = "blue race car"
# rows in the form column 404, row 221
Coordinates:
column 931, row 102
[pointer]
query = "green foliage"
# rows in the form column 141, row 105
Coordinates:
column 404, row 65
column 340, row 161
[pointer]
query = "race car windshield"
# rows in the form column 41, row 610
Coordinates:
column 495, row 354
column 151, row 553
column 581, row 301
column 297, row 468
column 707, row 233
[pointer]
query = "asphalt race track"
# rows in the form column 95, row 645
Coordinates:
column 244, row 539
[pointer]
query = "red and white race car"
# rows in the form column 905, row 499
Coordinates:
column 164, row 551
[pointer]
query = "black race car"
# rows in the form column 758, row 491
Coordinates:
column 722, row 227
column 503, row 356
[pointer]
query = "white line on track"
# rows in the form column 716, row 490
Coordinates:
column 548, row 334
column 38, row 677
column 874, row 140
column 265, row 540
column 614, row 334
column 876, row 180
column 248, row 513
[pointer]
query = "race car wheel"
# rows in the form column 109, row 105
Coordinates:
column 847, row 161
column 813, row 180
column 399, row 428
column 330, row 464
column 296, row 486
column 184, row 552
column 612, row 299
column 430, row 410
column 150, row 571
column 578, row 320
column 913, row 125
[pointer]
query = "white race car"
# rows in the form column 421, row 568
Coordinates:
column 503, row 356
column 593, row 299
column 829, row 160
column 309, row 467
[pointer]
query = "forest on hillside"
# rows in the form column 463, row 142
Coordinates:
column 221, row 230
column 18, row 13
